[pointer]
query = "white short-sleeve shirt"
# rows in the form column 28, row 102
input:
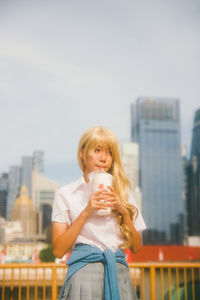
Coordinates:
column 99, row 231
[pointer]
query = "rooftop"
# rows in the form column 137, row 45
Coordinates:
column 164, row 253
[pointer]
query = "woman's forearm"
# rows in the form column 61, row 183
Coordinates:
column 64, row 241
column 64, row 237
column 136, row 244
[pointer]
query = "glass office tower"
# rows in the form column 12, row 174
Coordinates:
column 193, row 199
column 3, row 194
column 196, row 134
column 155, row 126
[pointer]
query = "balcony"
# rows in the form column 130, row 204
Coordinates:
column 152, row 281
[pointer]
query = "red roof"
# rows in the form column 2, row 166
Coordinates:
column 164, row 253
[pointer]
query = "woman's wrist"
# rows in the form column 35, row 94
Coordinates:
column 85, row 213
column 125, row 213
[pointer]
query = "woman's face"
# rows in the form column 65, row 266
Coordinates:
column 101, row 158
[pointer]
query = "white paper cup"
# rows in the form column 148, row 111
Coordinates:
column 105, row 179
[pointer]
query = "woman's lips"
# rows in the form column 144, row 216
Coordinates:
column 101, row 167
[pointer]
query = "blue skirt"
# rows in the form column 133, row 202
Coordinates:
column 88, row 283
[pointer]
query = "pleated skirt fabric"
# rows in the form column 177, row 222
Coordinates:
column 88, row 283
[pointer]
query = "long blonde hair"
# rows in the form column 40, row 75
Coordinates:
column 88, row 142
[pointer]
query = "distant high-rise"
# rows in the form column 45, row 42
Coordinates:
column 38, row 161
column 185, row 188
column 130, row 157
column 43, row 193
column 3, row 194
column 155, row 126
column 14, row 184
column 24, row 212
column 19, row 176
column 27, row 166
column 193, row 193
column 195, row 149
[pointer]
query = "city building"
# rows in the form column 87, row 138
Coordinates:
column 24, row 212
column 10, row 231
column 26, row 179
column 14, row 184
column 130, row 158
column 43, row 191
column 14, row 247
column 155, row 126
column 185, row 188
column 22, row 175
column 38, row 161
column 165, row 253
column 193, row 172
column 3, row 194
column 40, row 188
column 195, row 149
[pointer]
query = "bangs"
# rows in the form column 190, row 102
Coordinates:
column 103, row 139
column 99, row 136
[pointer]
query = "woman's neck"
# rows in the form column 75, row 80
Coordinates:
column 85, row 177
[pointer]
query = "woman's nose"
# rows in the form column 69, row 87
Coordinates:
column 103, row 156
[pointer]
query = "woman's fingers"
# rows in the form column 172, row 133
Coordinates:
column 107, row 193
column 107, row 201
column 104, row 198
column 111, row 188
column 101, row 191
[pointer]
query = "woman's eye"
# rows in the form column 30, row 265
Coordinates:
column 97, row 150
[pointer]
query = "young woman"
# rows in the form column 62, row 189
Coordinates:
column 97, row 267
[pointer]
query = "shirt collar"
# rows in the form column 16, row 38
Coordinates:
column 77, row 184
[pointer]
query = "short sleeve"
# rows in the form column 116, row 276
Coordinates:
column 139, row 221
column 60, row 212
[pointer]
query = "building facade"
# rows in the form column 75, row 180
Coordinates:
column 38, row 161
column 193, row 172
column 195, row 149
column 14, row 184
column 155, row 126
column 3, row 194
column 130, row 158
column 43, row 192
column 23, row 211
column 27, row 166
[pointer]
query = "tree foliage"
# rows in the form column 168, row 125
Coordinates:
column 46, row 254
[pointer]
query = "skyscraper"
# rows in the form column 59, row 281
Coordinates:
column 43, row 192
column 185, row 188
column 38, row 161
column 130, row 157
column 155, row 126
column 27, row 165
column 193, row 194
column 24, row 212
column 19, row 176
column 195, row 149
column 14, row 184
column 3, row 194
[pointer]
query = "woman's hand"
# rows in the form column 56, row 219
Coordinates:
column 113, row 200
column 99, row 200
column 115, row 203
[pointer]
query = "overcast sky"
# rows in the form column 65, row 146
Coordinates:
column 69, row 65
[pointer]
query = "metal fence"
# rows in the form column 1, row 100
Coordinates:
column 162, row 281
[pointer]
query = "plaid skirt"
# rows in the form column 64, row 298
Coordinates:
column 88, row 283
